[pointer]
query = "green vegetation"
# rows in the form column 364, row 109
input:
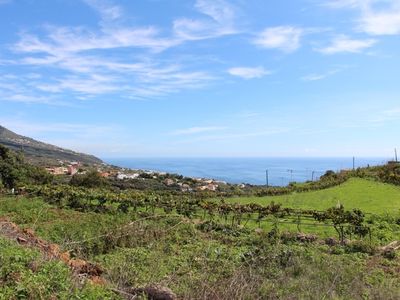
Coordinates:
column 194, row 260
column 321, row 240
column 91, row 179
column 368, row 195
column 14, row 171
column 26, row 274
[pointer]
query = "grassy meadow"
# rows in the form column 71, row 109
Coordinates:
column 368, row 195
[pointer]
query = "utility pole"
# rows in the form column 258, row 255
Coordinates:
column 266, row 177
column 291, row 175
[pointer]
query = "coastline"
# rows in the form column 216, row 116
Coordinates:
column 281, row 171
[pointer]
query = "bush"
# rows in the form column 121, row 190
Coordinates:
column 360, row 247
column 91, row 179
column 14, row 171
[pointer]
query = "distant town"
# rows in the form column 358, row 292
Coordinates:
column 178, row 182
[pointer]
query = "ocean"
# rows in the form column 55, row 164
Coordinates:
column 281, row 171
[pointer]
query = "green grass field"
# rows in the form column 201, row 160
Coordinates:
column 367, row 195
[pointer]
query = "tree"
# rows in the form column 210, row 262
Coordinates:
column 91, row 179
column 14, row 171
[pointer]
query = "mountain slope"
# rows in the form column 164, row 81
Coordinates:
column 42, row 153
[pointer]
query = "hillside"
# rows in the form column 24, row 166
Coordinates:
column 41, row 153
column 61, row 241
column 193, row 258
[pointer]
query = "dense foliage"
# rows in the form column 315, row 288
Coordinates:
column 90, row 179
column 390, row 173
column 14, row 171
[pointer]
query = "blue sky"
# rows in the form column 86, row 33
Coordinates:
column 203, row 77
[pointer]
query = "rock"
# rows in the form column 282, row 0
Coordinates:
column 331, row 241
column 306, row 238
column 156, row 292
column 83, row 267
column 393, row 245
column 21, row 240
column 29, row 232
column 65, row 257
column 77, row 264
column 97, row 280
column 53, row 250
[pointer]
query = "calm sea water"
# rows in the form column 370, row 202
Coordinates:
column 281, row 171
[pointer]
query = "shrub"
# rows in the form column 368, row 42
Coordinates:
column 360, row 247
column 14, row 171
column 91, row 179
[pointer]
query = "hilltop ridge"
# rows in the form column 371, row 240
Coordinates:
column 42, row 153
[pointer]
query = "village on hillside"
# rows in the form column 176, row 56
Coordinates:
column 177, row 182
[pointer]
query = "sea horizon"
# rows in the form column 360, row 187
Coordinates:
column 249, row 170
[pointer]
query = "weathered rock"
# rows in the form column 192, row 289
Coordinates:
column 306, row 238
column 331, row 241
column 155, row 292
column 21, row 240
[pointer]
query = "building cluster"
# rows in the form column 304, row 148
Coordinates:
column 70, row 168
column 122, row 176
column 200, row 184
column 184, row 184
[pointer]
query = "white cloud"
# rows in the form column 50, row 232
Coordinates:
column 321, row 76
column 96, row 76
column 27, row 98
column 67, row 49
column 64, row 40
column 219, row 10
column 83, row 54
column 248, row 73
column 189, row 29
column 108, row 11
column 343, row 3
column 18, row 88
column 376, row 17
column 385, row 22
column 285, row 38
column 197, row 130
column 345, row 44
column 92, row 86
column 220, row 21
